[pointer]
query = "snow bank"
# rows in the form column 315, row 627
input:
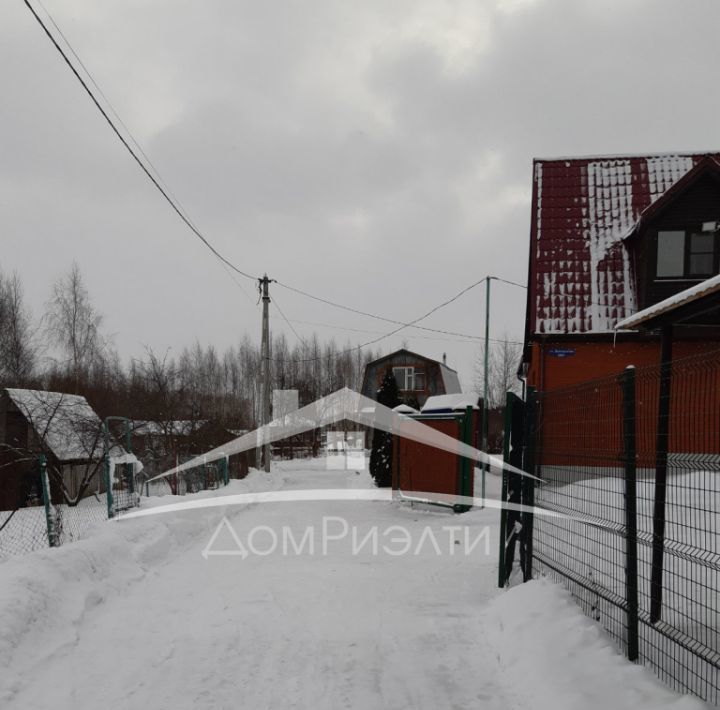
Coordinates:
column 554, row 657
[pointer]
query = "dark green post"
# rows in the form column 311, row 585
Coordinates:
column 466, row 465
column 469, row 464
column 528, row 484
column 631, row 555
column 507, row 424
column 661, row 456
column 52, row 538
column 108, row 484
column 106, row 442
column 226, row 470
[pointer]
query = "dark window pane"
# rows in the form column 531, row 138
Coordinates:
column 701, row 264
column 702, row 243
column 419, row 381
column 399, row 373
column 670, row 253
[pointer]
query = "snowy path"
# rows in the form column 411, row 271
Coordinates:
column 137, row 618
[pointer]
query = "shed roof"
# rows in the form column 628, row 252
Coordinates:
column 65, row 423
column 580, row 276
column 451, row 402
column 648, row 316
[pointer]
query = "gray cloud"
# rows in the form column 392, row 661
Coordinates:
column 376, row 153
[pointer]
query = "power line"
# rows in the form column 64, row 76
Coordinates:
column 284, row 317
column 390, row 320
column 332, row 326
column 180, row 211
column 506, row 281
column 165, row 193
column 402, row 326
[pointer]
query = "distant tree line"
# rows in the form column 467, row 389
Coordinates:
column 66, row 350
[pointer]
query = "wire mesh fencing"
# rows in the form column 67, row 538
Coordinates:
column 209, row 476
column 46, row 505
column 629, row 468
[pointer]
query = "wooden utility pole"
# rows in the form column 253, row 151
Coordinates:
column 264, row 285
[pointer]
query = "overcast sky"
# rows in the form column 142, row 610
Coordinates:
column 375, row 153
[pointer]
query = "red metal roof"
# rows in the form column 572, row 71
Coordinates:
column 580, row 278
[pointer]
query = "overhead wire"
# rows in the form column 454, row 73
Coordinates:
column 155, row 181
column 402, row 326
column 473, row 341
column 391, row 320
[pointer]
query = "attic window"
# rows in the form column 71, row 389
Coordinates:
column 408, row 379
column 670, row 254
column 686, row 254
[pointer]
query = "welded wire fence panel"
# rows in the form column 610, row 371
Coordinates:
column 581, row 446
column 679, row 522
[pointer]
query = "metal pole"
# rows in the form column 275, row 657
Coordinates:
column 631, row 559
column 49, row 521
column 265, row 365
column 106, row 463
column 663, row 422
column 485, row 423
column 106, row 442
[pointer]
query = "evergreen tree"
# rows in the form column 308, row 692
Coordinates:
column 381, row 453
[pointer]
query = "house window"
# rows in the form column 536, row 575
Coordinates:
column 670, row 254
column 702, row 254
column 691, row 254
column 404, row 377
column 408, row 379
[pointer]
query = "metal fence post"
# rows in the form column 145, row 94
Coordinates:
column 528, row 484
column 52, row 538
column 108, row 486
column 631, row 555
column 507, row 426
column 661, row 456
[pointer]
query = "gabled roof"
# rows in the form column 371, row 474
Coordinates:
column 65, row 423
column 451, row 380
column 405, row 351
column 707, row 165
column 580, row 277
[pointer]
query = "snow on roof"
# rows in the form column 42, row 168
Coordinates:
column 705, row 288
column 450, row 402
column 65, row 423
column 405, row 409
column 580, row 274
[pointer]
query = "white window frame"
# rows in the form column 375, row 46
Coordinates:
column 408, row 376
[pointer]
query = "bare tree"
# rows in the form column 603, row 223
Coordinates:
column 74, row 325
column 503, row 361
column 17, row 347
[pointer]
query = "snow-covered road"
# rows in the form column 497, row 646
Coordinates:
column 137, row 617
